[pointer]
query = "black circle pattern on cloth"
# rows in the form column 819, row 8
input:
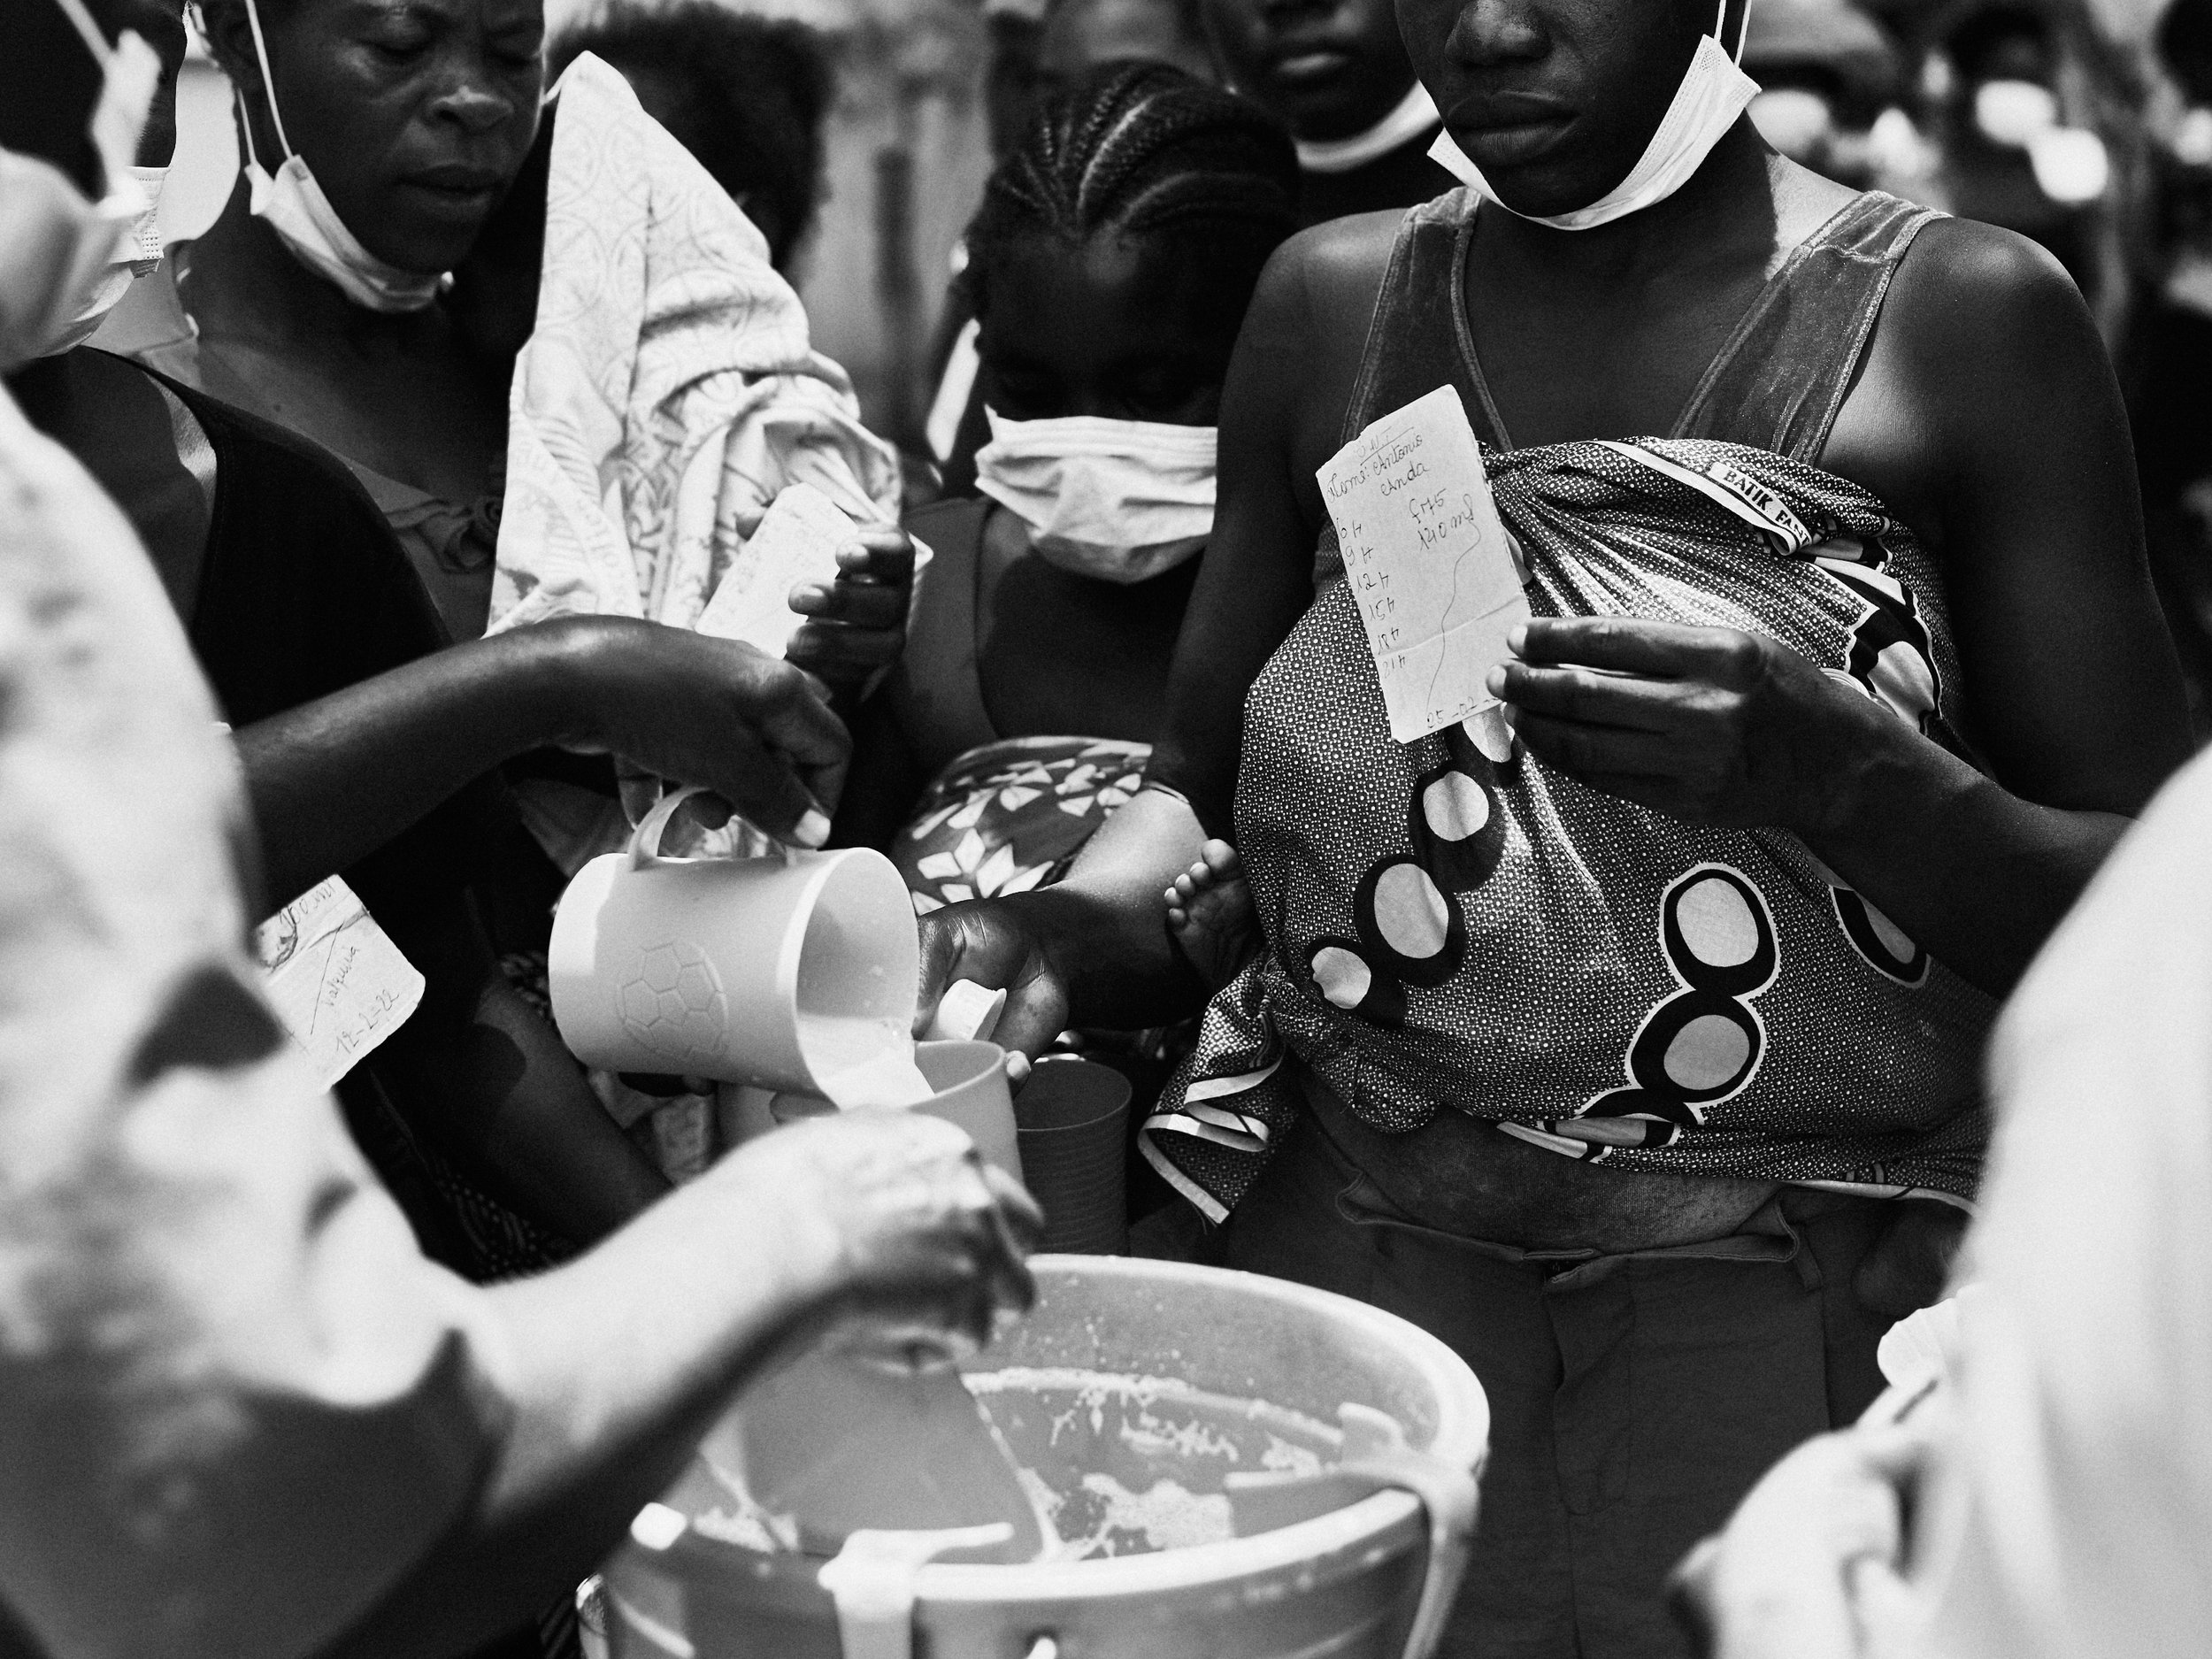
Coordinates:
column 1451, row 923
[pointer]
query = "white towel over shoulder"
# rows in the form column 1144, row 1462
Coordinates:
column 669, row 392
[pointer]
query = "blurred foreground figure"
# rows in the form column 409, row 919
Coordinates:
column 2054, row 1500
column 241, row 1415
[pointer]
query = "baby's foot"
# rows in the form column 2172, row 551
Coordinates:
column 1209, row 911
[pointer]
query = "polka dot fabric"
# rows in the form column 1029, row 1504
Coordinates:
column 1451, row 924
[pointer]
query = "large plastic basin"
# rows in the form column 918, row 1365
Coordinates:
column 1342, row 1585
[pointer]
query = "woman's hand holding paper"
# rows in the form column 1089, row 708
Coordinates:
column 856, row 623
column 1711, row 726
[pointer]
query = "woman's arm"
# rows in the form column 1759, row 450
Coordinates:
column 884, row 1222
column 334, row 779
column 2010, row 429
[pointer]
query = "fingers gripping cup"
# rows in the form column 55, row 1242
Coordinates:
column 794, row 972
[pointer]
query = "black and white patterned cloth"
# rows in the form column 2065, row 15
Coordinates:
column 1452, row 925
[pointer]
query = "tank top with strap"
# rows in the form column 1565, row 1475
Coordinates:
column 1451, row 924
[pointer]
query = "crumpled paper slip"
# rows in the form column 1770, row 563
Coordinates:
column 669, row 392
column 338, row 982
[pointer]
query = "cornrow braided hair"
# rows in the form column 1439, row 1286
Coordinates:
column 1141, row 149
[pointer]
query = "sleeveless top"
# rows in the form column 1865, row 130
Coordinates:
column 1452, row 923
column 450, row 543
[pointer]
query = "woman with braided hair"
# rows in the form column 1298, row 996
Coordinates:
column 1623, row 1033
column 1110, row 265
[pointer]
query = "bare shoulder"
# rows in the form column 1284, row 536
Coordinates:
column 1966, row 290
column 1326, row 276
column 1304, row 337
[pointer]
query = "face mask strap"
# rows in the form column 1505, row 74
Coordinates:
column 1743, row 28
column 82, row 20
column 268, row 85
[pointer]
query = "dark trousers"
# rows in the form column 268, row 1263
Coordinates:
column 1633, row 1398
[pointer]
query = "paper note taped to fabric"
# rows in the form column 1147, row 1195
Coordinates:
column 1428, row 559
column 797, row 541
column 337, row 980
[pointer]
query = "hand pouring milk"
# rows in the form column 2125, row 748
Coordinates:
column 796, row 973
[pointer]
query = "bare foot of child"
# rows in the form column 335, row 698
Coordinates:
column 1209, row 911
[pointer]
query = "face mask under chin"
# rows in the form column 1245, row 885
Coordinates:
column 292, row 204
column 1714, row 92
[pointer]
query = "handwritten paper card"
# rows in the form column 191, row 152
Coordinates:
column 1428, row 560
column 338, row 982
column 797, row 541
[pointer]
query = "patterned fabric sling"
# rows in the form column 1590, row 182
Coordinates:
column 1452, row 925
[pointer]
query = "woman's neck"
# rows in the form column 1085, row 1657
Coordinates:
column 1729, row 202
column 401, row 396
column 240, row 283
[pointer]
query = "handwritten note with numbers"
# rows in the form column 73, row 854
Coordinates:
column 334, row 977
column 1428, row 559
column 797, row 541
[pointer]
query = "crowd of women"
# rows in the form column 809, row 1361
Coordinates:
column 1630, row 1035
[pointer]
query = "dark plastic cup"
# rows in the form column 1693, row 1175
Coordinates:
column 1072, row 1118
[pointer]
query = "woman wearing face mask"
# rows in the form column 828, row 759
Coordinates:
column 319, row 300
column 1110, row 265
column 359, row 737
column 243, row 1414
column 1332, row 70
column 1625, row 1033
column 357, row 288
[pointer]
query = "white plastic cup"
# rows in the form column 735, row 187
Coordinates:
column 746, row 970
column 971, row 1093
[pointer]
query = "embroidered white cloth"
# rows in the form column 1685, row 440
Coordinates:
column 669, row 392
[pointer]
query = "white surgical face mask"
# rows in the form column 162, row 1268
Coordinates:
column 1119, row 501
column 293, row 205
column 66, row 262
column 1714, row 92
column 1415, row 115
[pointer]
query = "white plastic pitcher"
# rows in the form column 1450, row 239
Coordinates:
column 770, row 972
